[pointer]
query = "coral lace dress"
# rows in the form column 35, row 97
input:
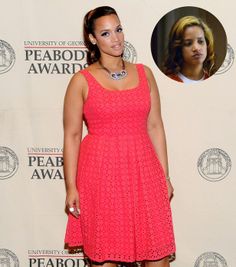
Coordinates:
column 125, row 211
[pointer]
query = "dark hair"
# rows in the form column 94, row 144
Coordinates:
column 174, row 60
column 93, row 53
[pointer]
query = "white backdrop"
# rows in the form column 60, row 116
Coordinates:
column 197, row 118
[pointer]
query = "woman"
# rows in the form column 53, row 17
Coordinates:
column 118, row 190
column 190, row 51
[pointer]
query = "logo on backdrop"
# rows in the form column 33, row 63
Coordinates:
column 210, row 259
column 7, row 57
column 214, row 164
column 130, row 53
column 228, row 62
column 62, row 258
column 54, row 57
column 8, row 258
column 61, row 57
column 8, row 162
column 46, row 163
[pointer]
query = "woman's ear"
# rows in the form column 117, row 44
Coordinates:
column 92, row 39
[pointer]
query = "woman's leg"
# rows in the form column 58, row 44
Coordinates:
column 160, row 263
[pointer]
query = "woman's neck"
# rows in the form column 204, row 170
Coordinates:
column 193, row 72
column 112, row 63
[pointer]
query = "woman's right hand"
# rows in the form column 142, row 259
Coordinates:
column 72, row 202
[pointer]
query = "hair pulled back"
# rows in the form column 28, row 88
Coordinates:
column 93, row 53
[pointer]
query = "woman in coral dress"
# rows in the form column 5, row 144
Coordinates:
column 117, row 181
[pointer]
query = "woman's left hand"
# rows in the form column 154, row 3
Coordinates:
column 170, row 189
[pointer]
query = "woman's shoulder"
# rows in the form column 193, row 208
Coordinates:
column 147, row 70
column 91, row 67
column 133, row 66
column 79, row 78
column 137, row 64
column 80, row 74
column 175, row 77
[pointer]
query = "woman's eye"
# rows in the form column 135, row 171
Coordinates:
column 201, row 41
column 119, row 29
column 188, row 43
column 105, row 34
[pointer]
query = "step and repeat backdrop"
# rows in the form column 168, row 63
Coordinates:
column 41, row 46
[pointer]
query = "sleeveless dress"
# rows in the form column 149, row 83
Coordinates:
column 125, row 212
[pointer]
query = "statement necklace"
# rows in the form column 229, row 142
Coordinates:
column 118, row 75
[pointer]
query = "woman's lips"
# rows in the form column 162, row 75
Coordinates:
column 117, row 47
column 197, row 56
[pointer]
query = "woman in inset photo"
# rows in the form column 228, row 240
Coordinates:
column 190, row 56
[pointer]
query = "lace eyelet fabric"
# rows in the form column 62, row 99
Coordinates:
column 125, row 213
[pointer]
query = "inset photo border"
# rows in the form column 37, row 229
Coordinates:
column 189, row 44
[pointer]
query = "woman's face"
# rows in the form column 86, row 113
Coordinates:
column 108, row 35
column 194, row 50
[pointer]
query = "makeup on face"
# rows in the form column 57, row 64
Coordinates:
column 109, row 35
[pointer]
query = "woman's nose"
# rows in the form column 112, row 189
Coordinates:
column 195, row 46
column 114, row 37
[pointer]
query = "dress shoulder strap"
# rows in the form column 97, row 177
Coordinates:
column 91, row 85
column 85, row 73
column 142, row 76
column 92, row 82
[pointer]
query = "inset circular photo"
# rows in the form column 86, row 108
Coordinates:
column 189, row 44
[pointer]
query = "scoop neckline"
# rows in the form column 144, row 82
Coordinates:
column 117, row 91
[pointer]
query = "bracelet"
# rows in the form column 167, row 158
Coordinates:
column 168, row 177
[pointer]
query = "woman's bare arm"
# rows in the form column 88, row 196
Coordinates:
column 156, row 128
column 73, row 126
